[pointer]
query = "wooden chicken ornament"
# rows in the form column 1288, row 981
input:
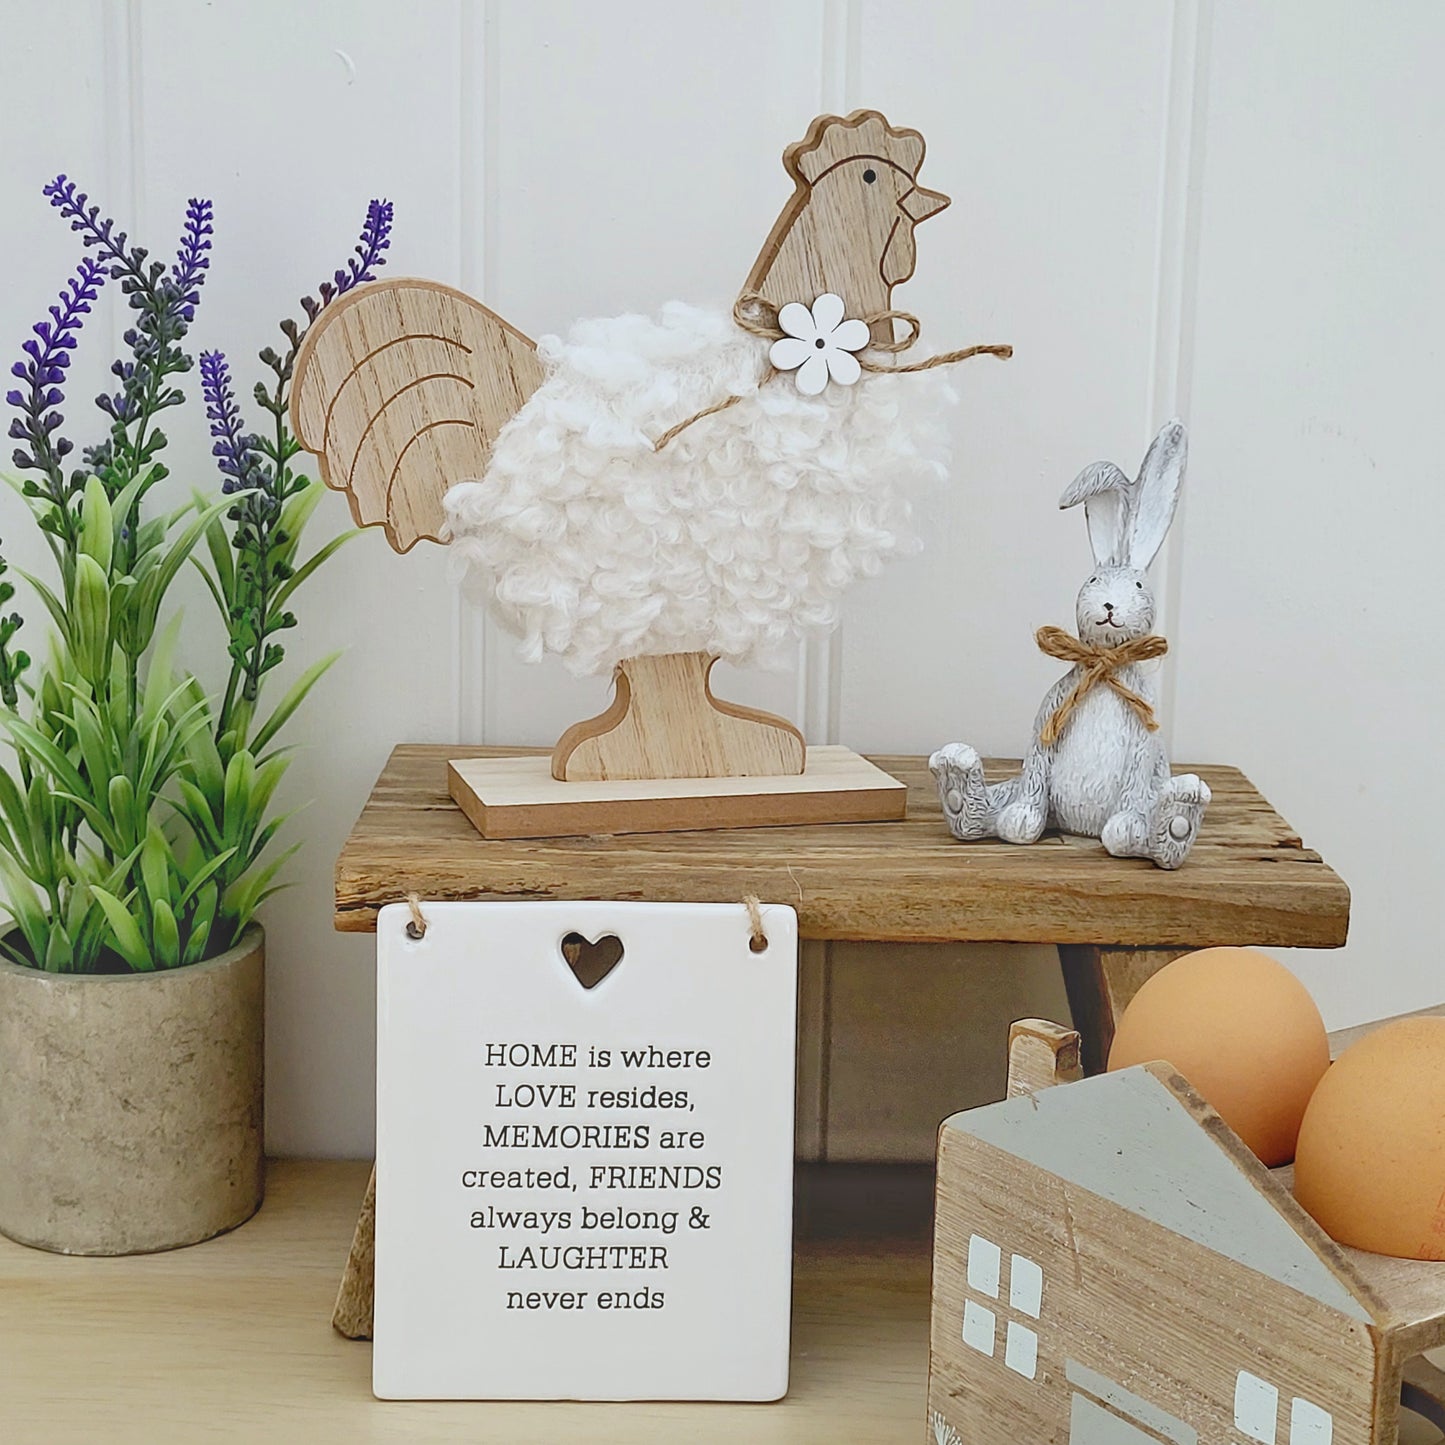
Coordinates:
column 648, row 495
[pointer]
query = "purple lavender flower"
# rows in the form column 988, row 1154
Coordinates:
column 44, row 376
column 193, row 258
column 165, row 303
column 370, row 253
column 370, row 249
column 236, row 453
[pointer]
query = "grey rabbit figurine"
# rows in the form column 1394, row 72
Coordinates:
column 1096, row 765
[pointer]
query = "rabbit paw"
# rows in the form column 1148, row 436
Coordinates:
column 961, row 789
column 1178, row 812
column 1021, row 822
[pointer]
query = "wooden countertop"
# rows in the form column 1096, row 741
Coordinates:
column 231, row 1340
column 1249, row 880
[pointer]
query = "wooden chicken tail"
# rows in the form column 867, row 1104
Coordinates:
column 400, row 390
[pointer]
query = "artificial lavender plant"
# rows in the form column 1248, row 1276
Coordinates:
column 134, row 820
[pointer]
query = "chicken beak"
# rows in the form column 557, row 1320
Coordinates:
column 919, row 205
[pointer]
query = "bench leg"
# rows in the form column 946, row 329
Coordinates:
column 1100, row 982
column 352, row 1315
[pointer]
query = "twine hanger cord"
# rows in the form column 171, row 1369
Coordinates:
column 758, row 317
column 1098, row 665
column 757, row 936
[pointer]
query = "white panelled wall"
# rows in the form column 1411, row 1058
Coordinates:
column 1227, row 210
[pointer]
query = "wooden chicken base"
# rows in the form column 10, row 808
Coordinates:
column 518, row 797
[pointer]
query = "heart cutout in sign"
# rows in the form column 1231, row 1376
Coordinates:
column 591, row 962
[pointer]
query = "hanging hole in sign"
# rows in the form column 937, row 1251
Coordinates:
column 416, row 928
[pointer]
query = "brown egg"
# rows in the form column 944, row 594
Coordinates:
column 1245, row 1033
column 1371, row 1160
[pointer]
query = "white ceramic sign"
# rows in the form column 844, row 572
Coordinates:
column 584, row 1161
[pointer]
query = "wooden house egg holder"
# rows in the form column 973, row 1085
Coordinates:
column 1112, row 1266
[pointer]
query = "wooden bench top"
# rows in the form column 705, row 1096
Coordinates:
column 1249, row 880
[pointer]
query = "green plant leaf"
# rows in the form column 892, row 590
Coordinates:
column 203, row 876
column 202, row 922
column 158, row 578
column 218, row 544
column 240, row 774
column 246, row 894
column 166, row 934
column 305, row 570
column 120, row 794
column 91, row 622
column 22, row 904
column 155, row 865
column 195, row 808
column 97, row 525
column 129, row 943
column 40, row 748
column 295, row 696
column 16, row 815
column 59, row 952
column 53, row 605
column 299, row 509
column 159, row 694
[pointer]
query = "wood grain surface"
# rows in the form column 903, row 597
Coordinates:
column 400, row 390
column 1249, row 880
column 664, row 722
column 231, row 1341
column 514, row 798
column 1118, row 1275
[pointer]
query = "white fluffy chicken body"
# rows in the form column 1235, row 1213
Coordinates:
column 743, row 532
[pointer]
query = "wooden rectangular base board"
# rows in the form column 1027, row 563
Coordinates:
column 519, row 798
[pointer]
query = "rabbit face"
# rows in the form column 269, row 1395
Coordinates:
column 1115, row 605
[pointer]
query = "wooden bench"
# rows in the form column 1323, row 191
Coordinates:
column 1249, row 881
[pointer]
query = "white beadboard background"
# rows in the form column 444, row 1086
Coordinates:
column 1227, row 210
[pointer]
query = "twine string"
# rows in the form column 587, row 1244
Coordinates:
column 757, row 934
column 758, row 938
column 1098, row 665
column 758, row 317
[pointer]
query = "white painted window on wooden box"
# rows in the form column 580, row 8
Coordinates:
column 1025, row 1286
column 1256, row 1407
column 1025, row 1296
column 978, row 1327
column 1257, row 1414
column 1021, row 1350
column 985, row 1259
column 1308, row 1424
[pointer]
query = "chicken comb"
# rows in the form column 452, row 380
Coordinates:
column 833, row 138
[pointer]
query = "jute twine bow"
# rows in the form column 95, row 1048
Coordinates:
column 759, row 317
column 1097, row 665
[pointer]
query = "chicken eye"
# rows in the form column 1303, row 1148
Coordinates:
column 1139, row 585
column 870, row 175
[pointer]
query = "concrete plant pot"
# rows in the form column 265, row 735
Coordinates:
column 130, row 1104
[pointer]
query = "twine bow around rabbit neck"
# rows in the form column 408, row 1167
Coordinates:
column 1098, row 665
column 759, row 317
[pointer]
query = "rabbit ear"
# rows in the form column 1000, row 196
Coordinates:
column 1160, row 479
column 1105, row 492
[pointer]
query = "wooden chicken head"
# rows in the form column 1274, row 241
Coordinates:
column 848, row 226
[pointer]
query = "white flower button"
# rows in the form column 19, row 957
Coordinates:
column 819, row 344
